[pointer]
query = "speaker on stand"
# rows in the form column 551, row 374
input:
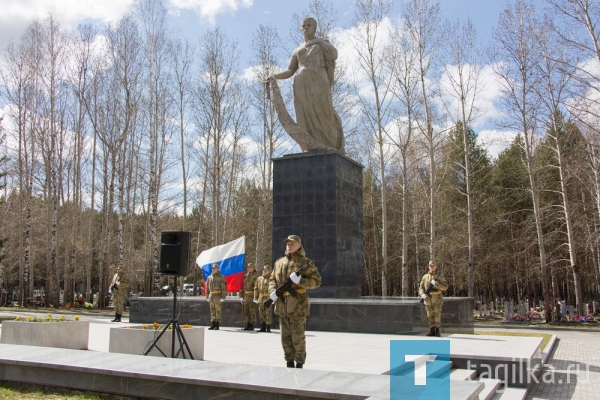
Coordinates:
column 174, row 261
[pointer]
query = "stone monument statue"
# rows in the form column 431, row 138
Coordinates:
column 319, row 127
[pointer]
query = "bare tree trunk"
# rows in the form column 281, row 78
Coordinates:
column 515, row 43
column 370, row 16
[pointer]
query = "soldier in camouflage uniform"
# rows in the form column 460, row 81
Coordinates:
column 293, row 310
column 433, row 300
column 216, row 290
column 247, row 297
column 261, row 294
column 118, row 288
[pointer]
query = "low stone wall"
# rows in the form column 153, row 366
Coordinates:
column 137, row 340
column 65, row 334
column 365, row 315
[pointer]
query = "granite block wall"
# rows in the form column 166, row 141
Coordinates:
column 318, row 196
column 365, row 315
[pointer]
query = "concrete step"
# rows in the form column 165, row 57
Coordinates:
column 463, row 374
column 510, row 394
column 491, row 386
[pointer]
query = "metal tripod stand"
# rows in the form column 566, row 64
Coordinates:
column 183, row 346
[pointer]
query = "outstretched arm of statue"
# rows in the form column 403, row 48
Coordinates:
column 289, row 72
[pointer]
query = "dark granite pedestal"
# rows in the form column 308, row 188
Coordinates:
column 366, row 315
column 318, row 196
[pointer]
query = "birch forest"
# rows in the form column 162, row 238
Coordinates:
column 111, row 134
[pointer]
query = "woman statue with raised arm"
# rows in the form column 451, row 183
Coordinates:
column 313, row 62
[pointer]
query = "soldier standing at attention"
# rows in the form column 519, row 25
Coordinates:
column 433, row 300
column 118, row 287
column 216, row 290
column 261, row 294
column 293, row 310
column 247, row 295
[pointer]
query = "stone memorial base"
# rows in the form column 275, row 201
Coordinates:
column 318, row 196
column 137, row 340
column 66, row 334
column 365, row 315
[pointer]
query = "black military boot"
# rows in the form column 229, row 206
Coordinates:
column 247, row 328
column 290, row 364
column 116, row 318
column 263, row 328
column 217, row 326
column 299, row 365
column 251, row 327
column 431, row 332
column 269, row 328
column 437, row 332
column 213, row 326
column 119, row 317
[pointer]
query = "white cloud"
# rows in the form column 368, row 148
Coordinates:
column 495, row 141
column 16, row 15
column 209, row 9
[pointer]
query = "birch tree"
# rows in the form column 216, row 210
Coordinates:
column 516, row 59
column 462, row 84
column 368, row 41
column 422, row 24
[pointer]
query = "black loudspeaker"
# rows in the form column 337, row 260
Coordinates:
column 174, row 253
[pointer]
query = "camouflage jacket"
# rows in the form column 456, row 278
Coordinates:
column 440, row 283
column 122, row 286
column 262, row 287
column 294, row 306
column 216, row 283
column 249, row 281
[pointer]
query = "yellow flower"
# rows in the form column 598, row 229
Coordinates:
column 28, row 318
column 127, row 327
column 17, row 318
column 77, row 318
column 144, row 326
column 49, row 315
column 62, row 317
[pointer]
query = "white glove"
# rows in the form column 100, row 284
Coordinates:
column 222, row 300
column 273, row 296
column 423, row 296
column 295, row 278
column 256, row 301
column 242, row 300
column 433, row 282
column 207, row 299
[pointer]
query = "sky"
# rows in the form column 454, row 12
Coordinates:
column 239, row 19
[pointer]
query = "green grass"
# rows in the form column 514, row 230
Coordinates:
column 545, row 336
column 20, row 391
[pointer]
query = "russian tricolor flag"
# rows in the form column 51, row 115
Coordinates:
column 231, row 258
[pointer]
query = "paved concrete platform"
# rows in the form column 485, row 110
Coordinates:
column 337, row 354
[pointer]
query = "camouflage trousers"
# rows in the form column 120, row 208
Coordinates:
column 250, row 309
column 433, row 306
column 293, row 339
column 266, row 314
column 215, row 310
column 119, row 302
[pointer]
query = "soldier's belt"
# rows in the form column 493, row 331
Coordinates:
column 215, row 292
column 435, row 292
column 249, row 291
column 264, row 295
column 299, row 291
